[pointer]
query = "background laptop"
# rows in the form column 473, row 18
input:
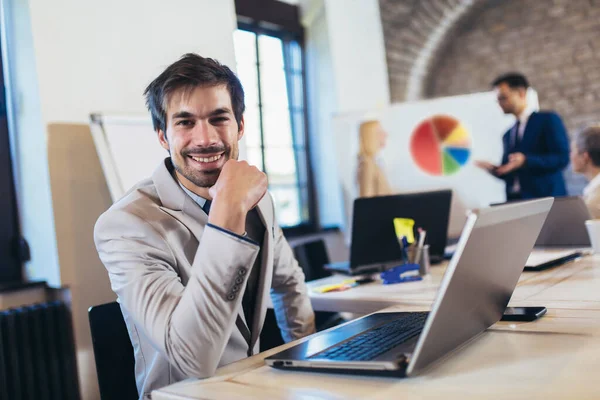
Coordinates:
column 564, row 228
column 374, row 246
column 565, row 225
column 473, row 294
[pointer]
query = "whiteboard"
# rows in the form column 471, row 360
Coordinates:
column 481, row 116
column 128, row 149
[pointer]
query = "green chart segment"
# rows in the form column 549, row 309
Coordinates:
column 440, row 145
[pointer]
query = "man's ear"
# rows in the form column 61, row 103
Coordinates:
column 523, row 93
column 162, row 138
column 241, row 128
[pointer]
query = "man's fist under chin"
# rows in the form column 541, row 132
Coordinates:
column 238, row 189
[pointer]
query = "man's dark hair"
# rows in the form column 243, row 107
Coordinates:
column 187, row 73
column 588, row 140
column 514, row 80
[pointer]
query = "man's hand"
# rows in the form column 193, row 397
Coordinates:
column 238, row 189
column 515, row 161
column 487, row 166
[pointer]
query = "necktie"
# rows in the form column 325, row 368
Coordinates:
column 206, row 206
column 517, row 138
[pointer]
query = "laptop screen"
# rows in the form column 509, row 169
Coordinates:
column 374, row 239
column 481, row 277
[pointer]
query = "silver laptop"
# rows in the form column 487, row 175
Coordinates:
column 473, row 294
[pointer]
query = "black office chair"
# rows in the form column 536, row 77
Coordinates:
column 312, row 257
column 113, row 352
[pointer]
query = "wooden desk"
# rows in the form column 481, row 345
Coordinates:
column 556, row 357
column 375, row 296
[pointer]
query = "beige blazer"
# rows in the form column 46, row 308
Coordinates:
column 180, row 282
column 371, row 179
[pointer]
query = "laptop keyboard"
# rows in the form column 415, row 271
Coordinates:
column 373, row 343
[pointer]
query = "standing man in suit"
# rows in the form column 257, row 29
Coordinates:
column 536, row 148
column 194, row 251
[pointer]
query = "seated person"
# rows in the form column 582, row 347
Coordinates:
column 585, row 158
column 194, row 251
column 371, row 179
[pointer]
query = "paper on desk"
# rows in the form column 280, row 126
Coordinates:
column 404, row 227
column 542, row 256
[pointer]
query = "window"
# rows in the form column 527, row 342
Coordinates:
column 270, row 67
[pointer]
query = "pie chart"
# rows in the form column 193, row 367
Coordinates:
column 440, row 145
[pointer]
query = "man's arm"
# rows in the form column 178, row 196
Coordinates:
column 190, row 325
column 294, row 313
column 557, row 157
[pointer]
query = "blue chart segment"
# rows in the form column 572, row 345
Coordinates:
column 461, row 155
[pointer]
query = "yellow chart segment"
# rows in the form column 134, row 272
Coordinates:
column 459, row 137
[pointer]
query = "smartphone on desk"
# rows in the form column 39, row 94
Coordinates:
column 523, row 313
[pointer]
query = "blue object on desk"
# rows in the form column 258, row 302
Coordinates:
column 395, row 275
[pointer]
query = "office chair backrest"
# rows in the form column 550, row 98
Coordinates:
column 312, row 257
column 113, row 352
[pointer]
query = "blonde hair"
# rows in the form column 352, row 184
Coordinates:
column 369, row 138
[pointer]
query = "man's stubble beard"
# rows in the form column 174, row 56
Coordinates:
column 205, row 179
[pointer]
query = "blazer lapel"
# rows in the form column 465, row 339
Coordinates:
column 529, row 135
column 265, row 211
column 176, row 202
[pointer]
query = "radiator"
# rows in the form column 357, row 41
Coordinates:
column 37, row 353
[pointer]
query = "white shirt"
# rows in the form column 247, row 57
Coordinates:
column 591, row 196
column 523, row 118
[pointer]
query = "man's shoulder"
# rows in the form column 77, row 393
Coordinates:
column 546, row 114
column 140, row 202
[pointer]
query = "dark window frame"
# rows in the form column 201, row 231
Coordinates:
column 295, row 34
column 11, row 245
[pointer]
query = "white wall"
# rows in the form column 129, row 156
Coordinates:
column 70, row 58
column 103, row 54
column 357, row 54
column 322, row 104
column 346, row 72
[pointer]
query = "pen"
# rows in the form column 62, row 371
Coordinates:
column 422, row 234
column 404, row 248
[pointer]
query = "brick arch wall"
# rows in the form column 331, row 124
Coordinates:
column 556, row 44
column 413, row 30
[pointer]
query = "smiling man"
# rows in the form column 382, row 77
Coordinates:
column 194, row 251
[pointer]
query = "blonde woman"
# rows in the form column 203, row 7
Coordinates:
column 371, row 179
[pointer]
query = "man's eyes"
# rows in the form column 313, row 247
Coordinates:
column 190, row 123
column 184, row 122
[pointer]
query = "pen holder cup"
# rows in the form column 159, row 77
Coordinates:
column 423, row 261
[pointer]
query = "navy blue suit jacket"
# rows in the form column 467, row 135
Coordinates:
column 546, row 148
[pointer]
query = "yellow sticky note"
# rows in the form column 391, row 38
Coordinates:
column 404, row 227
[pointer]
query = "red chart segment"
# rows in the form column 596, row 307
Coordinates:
column 425, row 148
column 444, row 125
